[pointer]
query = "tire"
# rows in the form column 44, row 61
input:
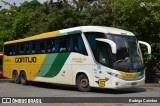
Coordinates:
column 23, row 78
column 82, row 83
column 15, row 77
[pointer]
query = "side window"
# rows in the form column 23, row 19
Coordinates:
column 42, row 46
column 21, row 48
column 8, row 50
column 100, row 50
column 63, row 44
column 33, row 47
column 57, row 45
column 15, row 49
column 81, row 46
column 73, row 44
column 92, row 41
column 76, row 44
column 50, row 46
column 91, row 37
column 102, row 55
column 27, row 48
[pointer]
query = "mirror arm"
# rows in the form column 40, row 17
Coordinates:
column 146, row 44
column 111, row 43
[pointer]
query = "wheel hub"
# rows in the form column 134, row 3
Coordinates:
column 84, row 83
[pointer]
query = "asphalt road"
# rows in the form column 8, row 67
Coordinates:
column 37, row 89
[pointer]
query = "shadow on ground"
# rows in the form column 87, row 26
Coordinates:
column 73, row 88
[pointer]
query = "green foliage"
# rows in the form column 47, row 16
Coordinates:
column 138, row 16
column 141, row 17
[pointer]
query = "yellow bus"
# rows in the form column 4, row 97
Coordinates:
column 85, row 56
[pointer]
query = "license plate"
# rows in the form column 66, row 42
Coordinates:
column 134, row 83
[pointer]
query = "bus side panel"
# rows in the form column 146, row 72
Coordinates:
column 75, row 63
column 28, row 63
column 101, row 77
column 83, row 69
column 82, row 64
column 57, row 71
column 8, row 66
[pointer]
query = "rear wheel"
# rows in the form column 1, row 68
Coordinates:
column 23, row 78
column 16, row 77
column 83, row 83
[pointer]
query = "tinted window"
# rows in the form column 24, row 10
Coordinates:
column 42, row 46
column 57, row 45
column 21, row 48
column 100, row 50
column 73, row 44
column 33, row 47
column 103, row 53
column 63, row 43
column 91, row 37
column 8, row 50
column 76, row 44
column 27, row 48
column 68, row 43
column 50, row 45
column 15, row 49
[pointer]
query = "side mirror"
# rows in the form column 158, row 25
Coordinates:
column 111, row 43
column 146, row 44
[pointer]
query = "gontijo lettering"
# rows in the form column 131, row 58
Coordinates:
column 25, row 60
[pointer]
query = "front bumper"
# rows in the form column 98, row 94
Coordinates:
column 119, row 83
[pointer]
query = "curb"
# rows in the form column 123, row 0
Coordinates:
column 152, row 85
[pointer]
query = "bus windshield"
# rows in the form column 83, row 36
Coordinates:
column 128, row 56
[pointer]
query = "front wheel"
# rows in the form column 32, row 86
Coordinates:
column 82, row 83
column 23, row 78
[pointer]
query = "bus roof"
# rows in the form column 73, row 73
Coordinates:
column 68, row 31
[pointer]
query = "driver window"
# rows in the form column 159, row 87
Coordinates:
column 103, row 56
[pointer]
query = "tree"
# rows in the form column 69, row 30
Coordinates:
column 141, row 17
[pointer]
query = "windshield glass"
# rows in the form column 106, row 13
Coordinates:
column 128, row 56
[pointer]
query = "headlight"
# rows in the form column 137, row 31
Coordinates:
column 116, row 75
column 127, row 78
